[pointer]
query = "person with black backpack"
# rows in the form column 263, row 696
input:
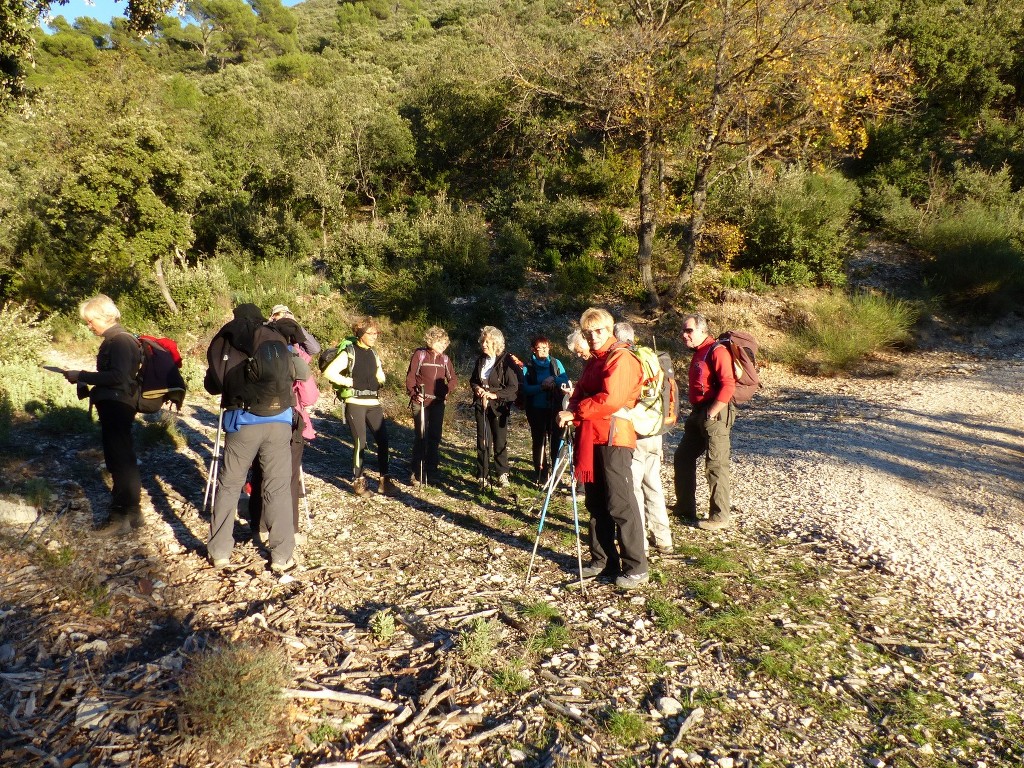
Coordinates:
column 252, row 369
column 712, row 384
column 543, row 378
column 112, row 388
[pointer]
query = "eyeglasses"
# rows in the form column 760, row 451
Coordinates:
column 688, row 330
column 592, row 332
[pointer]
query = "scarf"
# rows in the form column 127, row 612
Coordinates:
column 585, row 435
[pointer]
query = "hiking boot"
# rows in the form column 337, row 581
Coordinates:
column 664, row 549
column 359, row 486
column 117, row 525
column 386, row 486
column 593, row 570
column 284, row 567
column 632, row 581
column 414, row 481
column 715, row 523
column 503, row 480
column 220, row 562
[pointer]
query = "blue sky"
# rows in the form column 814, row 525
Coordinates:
column 103, row 10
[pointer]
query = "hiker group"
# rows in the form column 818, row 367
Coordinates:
column 610, row 423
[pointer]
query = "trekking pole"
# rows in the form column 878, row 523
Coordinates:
column 305, row 501
column 575, row 507
column 210, row 494
column 563, row 462
column 423, row 434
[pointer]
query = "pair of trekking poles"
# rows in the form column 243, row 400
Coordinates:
column 565, row 462
column 210, row 494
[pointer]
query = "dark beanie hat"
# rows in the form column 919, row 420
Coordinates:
column 248, row 312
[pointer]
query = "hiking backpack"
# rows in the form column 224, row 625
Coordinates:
column 159, row 378
column 657, row 410
column 267, row 389
column 327, row 367
column 742, row 348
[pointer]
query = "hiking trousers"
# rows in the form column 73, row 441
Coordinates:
column 616, row 528
column 650, row 493
column 363, row 420
column 116, row 420
column 491, row 439
column 426, row 448
column 271, row 443
column 544, row 424
column 708, row 438
column 298, row 445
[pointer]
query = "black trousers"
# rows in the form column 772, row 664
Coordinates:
column 363, row 420
column 426, row 447
column 116, row 421
column 544, row 424
column 616, row 528
column 491, row 439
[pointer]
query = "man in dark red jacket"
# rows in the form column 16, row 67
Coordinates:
column 706, row 431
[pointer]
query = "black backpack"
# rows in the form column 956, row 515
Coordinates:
column 159, row 378
column 260, row 382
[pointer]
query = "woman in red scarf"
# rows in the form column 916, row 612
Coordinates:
column 609, row 386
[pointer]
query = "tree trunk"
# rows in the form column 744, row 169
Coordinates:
column 158, row 269
column 692, row 242
column 648, row 221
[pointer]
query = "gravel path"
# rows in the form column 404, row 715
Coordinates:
column 925, row 478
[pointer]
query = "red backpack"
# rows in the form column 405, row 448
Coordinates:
column 742, row 348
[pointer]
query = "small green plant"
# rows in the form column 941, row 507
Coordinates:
column 37, row 492
column 554, row 635
column 667, row 615
column 511, row 679
column 160, row 432
column 656, row 666
column 540, row 610
column 707, row 591
column 627, row 727
column 59, row 558
column 231, row 697
column 382, row 626
column 97, row 594
column 477, row 643
column 323, row 733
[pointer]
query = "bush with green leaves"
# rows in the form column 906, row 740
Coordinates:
column 24, row 336
column 797, row 227
column 835, row 332
column 231, row 699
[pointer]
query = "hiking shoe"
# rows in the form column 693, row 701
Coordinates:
column 414, row 481
column 593, row 570
column 714, row 523
column 632, row 581
column 359, row 486
column 503, row 480
column 664, row 549
column 284, row 567
column 386, row 487
column 220, row 562
column 115, row 526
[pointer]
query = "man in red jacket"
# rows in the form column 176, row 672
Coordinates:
column 605, row 439
column 711, row 386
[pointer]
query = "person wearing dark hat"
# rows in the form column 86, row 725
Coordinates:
column 306, row 394
column 257, row 422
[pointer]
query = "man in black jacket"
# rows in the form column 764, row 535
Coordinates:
column 113, row 391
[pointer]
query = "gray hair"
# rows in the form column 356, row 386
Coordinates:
column 492, row 333
column 100, row 307
column 700, row 321
column 623, row 331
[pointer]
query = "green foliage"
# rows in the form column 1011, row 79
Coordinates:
column 797, row 227
column 627, row 727
column 231, row 697
column 382, row 626
column 160, row 431
column 24, row 336
column 477, row 643
column 667, row 615
column 37, row 492
column 835, row 332
column 510, row 678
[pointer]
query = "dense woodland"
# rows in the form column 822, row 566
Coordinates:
column 404, row 153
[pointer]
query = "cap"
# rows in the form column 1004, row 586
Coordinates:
column 281, row 309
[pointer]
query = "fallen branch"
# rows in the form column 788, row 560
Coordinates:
column 358, row 699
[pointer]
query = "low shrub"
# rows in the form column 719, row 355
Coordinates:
column 24, row 334
column 834, row 332
column 797, row 227
column 231, row 697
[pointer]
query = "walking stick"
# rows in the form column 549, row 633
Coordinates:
column 305, row 501
column 564, row 462
column 210, row 494
column 423, row 434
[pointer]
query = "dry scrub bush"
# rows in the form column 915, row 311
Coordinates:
column 231, row 697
